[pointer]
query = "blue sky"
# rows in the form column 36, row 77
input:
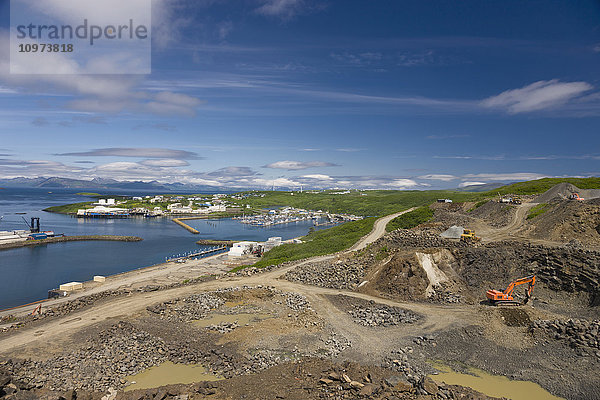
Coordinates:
column 340, row 93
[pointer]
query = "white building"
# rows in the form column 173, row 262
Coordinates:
column 241, row 248
column 273, row 242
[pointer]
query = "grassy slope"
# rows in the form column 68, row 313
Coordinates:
column 69, row 208
column 538, row 210
column 411, row 219
column 375, row 203
column 541, row 185
column 321, row 242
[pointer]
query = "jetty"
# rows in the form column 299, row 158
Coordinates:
column 198, row 254
column 179, row 221
column 62, row 239
column 210, row 242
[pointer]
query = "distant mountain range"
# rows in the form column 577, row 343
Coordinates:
column 98, row 183
column 152, row 186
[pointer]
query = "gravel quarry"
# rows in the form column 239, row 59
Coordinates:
column 367, row 323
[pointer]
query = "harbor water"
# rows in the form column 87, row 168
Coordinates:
column 28, row 273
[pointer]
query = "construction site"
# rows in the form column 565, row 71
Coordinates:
column 496, row 299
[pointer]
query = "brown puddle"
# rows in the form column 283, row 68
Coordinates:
column 231, row 304
column 168, row 373
column 242, row 319
column 492, row 385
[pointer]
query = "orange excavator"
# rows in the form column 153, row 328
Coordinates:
column 575, row 196
column 497, row 297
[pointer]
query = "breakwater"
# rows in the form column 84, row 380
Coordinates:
column 62, row 239
column 179, row 221
column 209, row 242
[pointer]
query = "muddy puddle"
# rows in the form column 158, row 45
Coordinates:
column 242, row 319
column 492, row 385
column 168, row 373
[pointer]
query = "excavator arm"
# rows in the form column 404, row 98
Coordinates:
column 505, row 296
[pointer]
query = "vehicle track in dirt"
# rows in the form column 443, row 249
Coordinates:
column 62, row 330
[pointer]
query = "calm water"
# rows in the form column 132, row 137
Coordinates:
column 28, row 273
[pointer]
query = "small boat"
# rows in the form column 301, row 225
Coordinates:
column 21, row 213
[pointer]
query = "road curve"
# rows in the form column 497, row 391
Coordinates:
column 378, row 230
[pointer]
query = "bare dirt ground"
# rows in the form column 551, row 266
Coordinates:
column 292, row 332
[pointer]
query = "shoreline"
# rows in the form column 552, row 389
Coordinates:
column 139, row 277
column 64, row 239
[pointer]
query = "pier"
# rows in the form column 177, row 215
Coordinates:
column 179, row 222
column 203, row 253
column 63, row 239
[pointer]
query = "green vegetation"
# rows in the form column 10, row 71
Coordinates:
column 382, row 253
column 411, row 219
column 68, row 208
column 477, row 205
column 538, row 210
column 318, row 243
column 88, row 194
column 366, row 203
column 541, row 185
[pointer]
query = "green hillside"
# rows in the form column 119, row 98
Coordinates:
column 541, row 185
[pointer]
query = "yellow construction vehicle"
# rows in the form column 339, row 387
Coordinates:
column 468, row 236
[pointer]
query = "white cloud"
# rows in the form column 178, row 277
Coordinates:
column 438, row 177
column 318, row 177
column 401, row 184
column 465, row 184
column 537, row 96
column 165, row 163
column 284, row 9
column 515, row 176
column 297, row 165
column 136, row 152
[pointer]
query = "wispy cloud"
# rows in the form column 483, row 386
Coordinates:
column 537, row 96
column 233, row 172
column 166, row 162
column 136, row 152
column 438, row 177
column 298, row 165
column 284, row 9
column 466, row 184
column 513, row 176
column 499, row 157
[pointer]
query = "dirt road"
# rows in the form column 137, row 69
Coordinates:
column 62, row 330
column 378, row 230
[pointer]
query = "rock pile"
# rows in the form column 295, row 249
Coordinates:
column 381, row 315
column 577, row 333
column 297, row 302
column 223, row 327
column 117, row 352
column 340, row 274
column 420, row 239
column 191, row 308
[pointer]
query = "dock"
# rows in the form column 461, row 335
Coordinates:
column 203, row 253
column 179, row 222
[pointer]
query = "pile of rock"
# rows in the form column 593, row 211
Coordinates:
column 335, row 344
column 223, row 327
column 425, row 340
column 117, row 352
column 381, row 315
column 419, row 239
column 296, row 302
column 191, row 308
column 577, row 333
column 340, row 274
